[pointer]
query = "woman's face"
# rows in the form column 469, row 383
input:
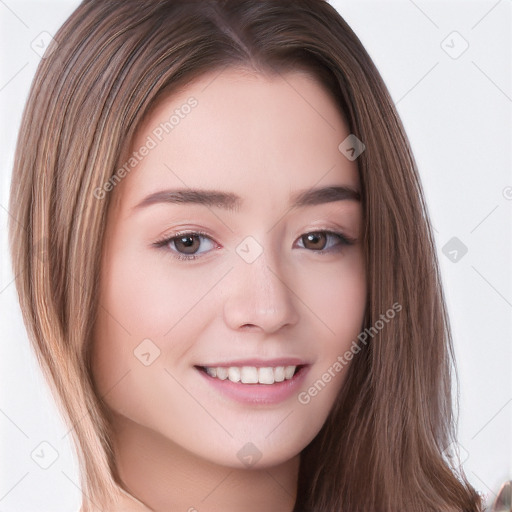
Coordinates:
column 222, row 252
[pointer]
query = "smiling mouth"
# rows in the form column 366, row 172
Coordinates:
column 252, row 374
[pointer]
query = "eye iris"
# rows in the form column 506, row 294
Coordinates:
column 188, row 242
column 315, row 238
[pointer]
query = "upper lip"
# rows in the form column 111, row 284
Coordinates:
column 259, row 363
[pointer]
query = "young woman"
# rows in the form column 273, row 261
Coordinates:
column 239, row 305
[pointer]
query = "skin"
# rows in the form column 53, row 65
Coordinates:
column 262, row 137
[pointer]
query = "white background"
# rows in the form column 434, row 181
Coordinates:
column 457, row 113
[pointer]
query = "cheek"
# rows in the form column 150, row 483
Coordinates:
column 145, row 299
column 147, row 319
column 150, row 296
column 336, row 296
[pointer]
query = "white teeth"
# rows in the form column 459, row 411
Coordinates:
column 266, row 375
column 234, row 374
column 212, row 372
column 279, row 374
column 251, row 374
column 222, row 373
column 289, row 371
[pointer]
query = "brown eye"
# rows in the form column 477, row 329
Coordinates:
column 325, row 241
column 186, row 244
column 315, row 241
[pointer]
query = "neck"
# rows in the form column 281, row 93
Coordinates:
column 161, row 476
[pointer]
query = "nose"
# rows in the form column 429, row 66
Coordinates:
column 258, row 298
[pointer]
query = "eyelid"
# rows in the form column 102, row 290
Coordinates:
column 345, row 240
column 166, row 239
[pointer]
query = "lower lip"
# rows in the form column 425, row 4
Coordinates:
column 258, row 393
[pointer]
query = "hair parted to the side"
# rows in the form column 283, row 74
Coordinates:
column 381, row 447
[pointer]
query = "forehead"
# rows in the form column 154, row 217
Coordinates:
column 241, row 131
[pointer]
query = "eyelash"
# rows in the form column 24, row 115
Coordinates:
column 163, row 243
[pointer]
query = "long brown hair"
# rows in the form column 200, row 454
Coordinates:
column 381, row 448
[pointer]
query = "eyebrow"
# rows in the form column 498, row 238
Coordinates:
column 232, row 202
